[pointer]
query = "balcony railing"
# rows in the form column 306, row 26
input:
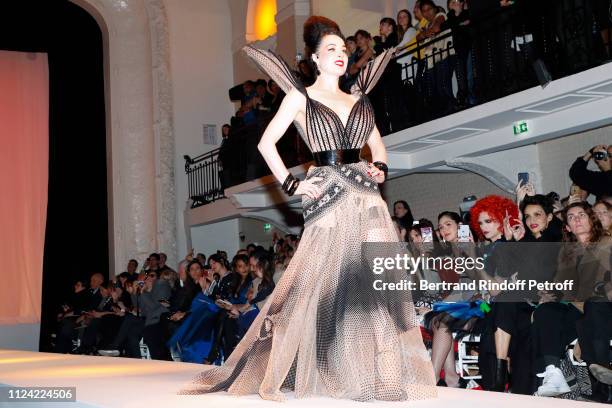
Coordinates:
column 504, row 52
column 238, row 161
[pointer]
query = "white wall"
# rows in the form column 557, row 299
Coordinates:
column 219, row 236
column 556, row 157
column 202, row 73
column 428, row 194
column 253, row 231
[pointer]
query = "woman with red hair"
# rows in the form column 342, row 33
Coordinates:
column 496, row 219
column 488, row 214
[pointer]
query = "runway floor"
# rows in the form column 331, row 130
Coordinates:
column 123, row 382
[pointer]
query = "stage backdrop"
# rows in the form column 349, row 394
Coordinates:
column 24, row 157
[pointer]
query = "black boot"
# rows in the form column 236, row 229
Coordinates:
column 501, row 375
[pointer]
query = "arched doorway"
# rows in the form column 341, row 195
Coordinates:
column 76, row 241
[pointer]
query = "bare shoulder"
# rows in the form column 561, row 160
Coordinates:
column 295, row 98
column 295, row 102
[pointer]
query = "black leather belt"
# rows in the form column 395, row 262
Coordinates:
column 336, row 157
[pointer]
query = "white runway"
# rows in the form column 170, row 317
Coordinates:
column 123, row 382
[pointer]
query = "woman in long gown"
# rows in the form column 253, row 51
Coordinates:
column 325, row 330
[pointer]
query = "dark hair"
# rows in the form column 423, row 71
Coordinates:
column 538, row 199
column 390, row 21
column 597, row 230
column 237, row 283
column 219, row 259
column 350, row 38
column 605, row 203
column 264, row 262
column 125, row 275
column 133, row 260
column 250, row 245
column 452, row 215
column 407, row 220
column 154, row 255
column 239, row 257
column 362, row 33
column 315, row 28
column 400, row 29
column 428, row 3
column 191, row 263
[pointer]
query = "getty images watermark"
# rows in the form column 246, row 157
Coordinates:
column 518, row 270
column 459, row 265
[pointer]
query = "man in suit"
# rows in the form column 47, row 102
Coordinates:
column 84, row 300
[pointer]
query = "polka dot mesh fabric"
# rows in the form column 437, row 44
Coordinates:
column 325, row 331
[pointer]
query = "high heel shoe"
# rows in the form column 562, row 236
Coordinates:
column 501, row 375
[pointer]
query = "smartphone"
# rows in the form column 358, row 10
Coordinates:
column 427, row 234
column 464, row 233
column 523, row 178
column 223, row 302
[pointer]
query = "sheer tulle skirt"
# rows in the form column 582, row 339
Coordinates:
column 324, row 330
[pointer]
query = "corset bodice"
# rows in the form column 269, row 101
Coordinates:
column 324, row 130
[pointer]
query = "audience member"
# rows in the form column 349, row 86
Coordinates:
column 599, row 182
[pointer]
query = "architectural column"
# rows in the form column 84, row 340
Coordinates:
column 290, row 18
column 140, row 141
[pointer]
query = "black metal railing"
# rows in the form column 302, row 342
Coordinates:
column 496, row 55
column 204, row 174
column 238, row 160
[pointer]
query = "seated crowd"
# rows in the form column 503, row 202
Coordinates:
column 200, row 312
column 525, row 337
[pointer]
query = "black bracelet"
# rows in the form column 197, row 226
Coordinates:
column 290, row 184
column 382, row 167
column 294, row 187
column 288, row 181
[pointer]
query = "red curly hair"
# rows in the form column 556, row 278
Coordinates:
column 496, row 206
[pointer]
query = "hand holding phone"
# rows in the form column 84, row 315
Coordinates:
column 463, row 234
column 427, row 234
column 223, row 303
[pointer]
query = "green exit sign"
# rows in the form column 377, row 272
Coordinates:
column 267, row 227
column 520, row 127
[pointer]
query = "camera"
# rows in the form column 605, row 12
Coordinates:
column 599, row 155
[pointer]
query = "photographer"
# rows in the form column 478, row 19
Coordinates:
column 599, row 182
